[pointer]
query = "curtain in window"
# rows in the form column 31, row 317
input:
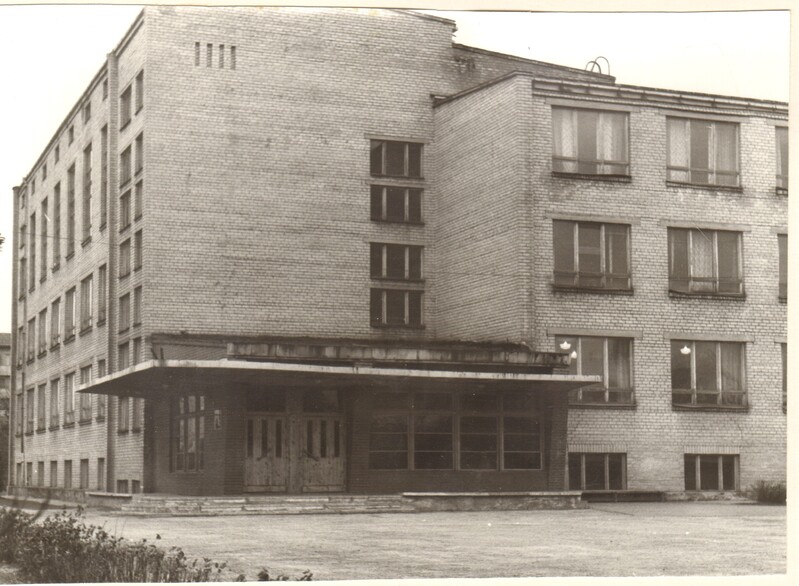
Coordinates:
column 702, row 260
column 728, row 273
column 619, row 363
column 731, row 367
column 726, row 154
column 616, row 259
column 612, row 139
column 564, row 130
column 678, row 149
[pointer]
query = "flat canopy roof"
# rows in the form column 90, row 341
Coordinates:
column 159, row 377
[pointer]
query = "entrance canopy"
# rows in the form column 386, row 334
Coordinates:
column 157, row 377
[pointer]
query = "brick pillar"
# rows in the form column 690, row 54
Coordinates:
column 557, row 409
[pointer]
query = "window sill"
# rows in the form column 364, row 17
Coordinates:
column 602, row 406
column 138, row 172
column 138, row 268
column 719, row 296
column 100, row 322
column 69, row 339
column 400, row 177
column 136, row 324
column 56, row 266
column 123, row 330
column 86, row 242
column 123, row 431
column 125, row 227
column 398, row 326
column 719, row 408
column 137, row 217
column 103, row 226
column 84, row 421
column 54, row 346
column 397, row 280
column 100, row 418
column 781, row 191
column 29, row 433
column 706, row 186
column 32, row 288
column 402, row 222
column 592, row 177
column 55, row 427
column 69, row 256
column 42, row 279
column 40, row 430
column 30, row 360
column 136, row 430
column 124, row 184
column 124, row 126
column 782, row 299
column 42, row 354
column 85, row 330
column 123, row 275
column 139, row 109
column 600, row 290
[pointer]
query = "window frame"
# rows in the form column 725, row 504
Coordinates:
column 607, row 469
column 782, row 173
column 606, row 278
column 188, row 414
column 380, row 167
column 712, row 170
column 85, row 399
column 693, row 282
column 721, row 393
column 87, row 303
column 380, row 208
column 380, row 265
column 734, row 461
column 602, row 167
column 782, row 252
column 378, row 308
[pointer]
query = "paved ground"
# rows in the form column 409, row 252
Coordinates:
column 624, row 539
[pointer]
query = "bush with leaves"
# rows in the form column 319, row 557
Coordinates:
column 769, row 492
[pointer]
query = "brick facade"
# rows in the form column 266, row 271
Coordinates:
column 251, row 204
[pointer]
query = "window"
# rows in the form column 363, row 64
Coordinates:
column 139, row 152
column 101, row 399
column 137, row 299
column 137, row 250
column 782, row 242
column 196, row 54
column 31, row 338
column 87, row 112
column 53, row 473
column 69, row 398
column 124, row 312
column 20, row 346
column 609, row 358
column 233, row 57
column 71, row 211
column 125, row 107
column 590, row 142
column 40, row 473
column 67, row 473
column 136, row 414
column 71, row 134
column 124, row 258
column 702, row 152
column 84, row 474
column 19, row 407
column 44, row 171
column 188, row 433
column 139, row 200
column 102, row 284
column 705, row 262
column 209, row 54
column 123, row 413
column 43, row 331
column 707, row 374
column 123, row 356
column 32, row 252
column 100, row 474
column 85, row 398
column 29, row 412
column 56, row 226
column 86, row 303
column 396, row 261
column 29, row 474
column 711, row 472
column 43, row 241
column 591, row 255
column 784, row 352
column 136, row 351
column 125, row 166
column 396, row 204
column 445, row 431
column 394, row 307
column 55, row 405
column 395, row 159
column 69, row 315
column 55, row 323
column 782, row 158
column 103, row 176
column 221, row 56
column 87, row 192
column 41, row 406
column 105, row 89
column 122, row 486
column 57, row 153
column 124, row 210
column 594, row 471
column 140, row 91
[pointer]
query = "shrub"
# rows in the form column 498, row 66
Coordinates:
column 769, row 492
column 64, row 549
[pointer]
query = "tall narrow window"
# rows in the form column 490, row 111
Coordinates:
column 188, row 433
column 55, row 405
column 139, row 152
column 87, row 192
column 782, row 159
column 43, row 241
column 67, row 474
column 233, row 57
column 591, row 255
column 41, row 408
column 71, row 211
column 707, row 374
column 784, row 352
column 124, row 258
column 123, row 356
column 125, row 166
column 705, row 261
column 396, row 261
column 124, row 312
column 125, row 106
column 609, row 358
column 139, row 200
column 101, row 399
column 23, row 262
column 395, row 159
column 197, row 54
column 137, row 250
column 782, row 242
column 55, row 323
column 703, row 152
column 140, row 91
column 221, row 56
column 32, row 253
column 102, row 294
column 209, row 55
column 30, row 414
column 103, row 176
column 56, row 226
column 69, row 314
column 123, row 413
column 86, row 304
column 85, row 398
column 31, row 338
column 590, row 142
column 137, row 301
column 69, row 398
column 87, row 111
column 43, row 331
column 124, row 210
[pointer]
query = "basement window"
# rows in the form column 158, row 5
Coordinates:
column 711, row 472
column 595, row 471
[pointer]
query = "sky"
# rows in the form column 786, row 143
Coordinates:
column 51, row 53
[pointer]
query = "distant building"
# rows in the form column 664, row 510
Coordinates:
column 293, row 250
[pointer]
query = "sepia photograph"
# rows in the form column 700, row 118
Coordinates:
column 406, row 294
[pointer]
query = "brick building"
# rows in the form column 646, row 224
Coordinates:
column 293, row 250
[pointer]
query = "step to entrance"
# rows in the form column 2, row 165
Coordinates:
column 411, row 502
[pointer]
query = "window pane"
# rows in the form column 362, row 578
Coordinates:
column 376, row 158
column 709, row 472
column 616, row 471
column 700, row 151
column 376, row 260
column 473, row 424
column 574, row 471
column 616, row 257
column 680, row 365
column 376, row 202
column 478, row 460
column 594, row 471
column 415, row 262
column 395, row 307
column 690, row 472
column 590, row 255
column 706, row 366
column 376, row 306
column 395, row 158
column 415, row 308
column 613, row 141
column 592, row 359
column 395, row 204
column 395, row 261
column 729, row 275
column 619, row 363
column 389, row 424
column 563, row 252
column 587, row 141
column 414, row 160
column 679, row 271
column 731, row 367
column 678, row 149
column 480, row 402
column 728, row 472
column 432, row 401
column 726, row 151
column 433, row 424
column 414, row 205
column 390, row 400
column 782, row 242
column 564, row 140
column 433, row 460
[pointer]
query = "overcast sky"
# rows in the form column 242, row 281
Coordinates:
column 50, row 53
